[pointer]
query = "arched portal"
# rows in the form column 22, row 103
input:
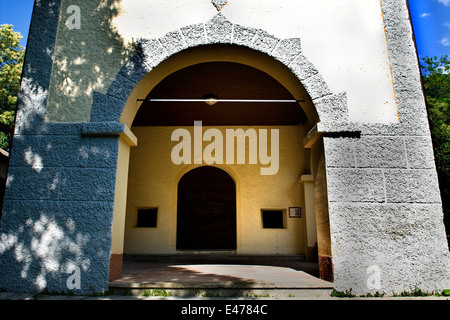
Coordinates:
column 206, row 210
column 283, row 62
column 260, row 120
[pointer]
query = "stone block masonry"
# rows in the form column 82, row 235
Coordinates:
column 58, row 210
column 383, row 193
column 58, row 205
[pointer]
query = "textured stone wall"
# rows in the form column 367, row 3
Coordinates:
column 385, row 208
column 58, row 206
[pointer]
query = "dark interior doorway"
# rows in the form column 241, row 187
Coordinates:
column 206, row 216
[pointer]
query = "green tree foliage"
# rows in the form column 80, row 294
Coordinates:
column 11, row 64
column 436, row 81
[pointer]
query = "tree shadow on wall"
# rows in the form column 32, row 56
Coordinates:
column 57, row 213
column 87, row 58
column 45, row 249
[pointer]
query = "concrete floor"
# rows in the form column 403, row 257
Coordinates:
column 220, row 275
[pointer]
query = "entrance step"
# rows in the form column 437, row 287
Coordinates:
column 223, row 257
column 271, row 293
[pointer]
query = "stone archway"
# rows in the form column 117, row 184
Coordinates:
column 216, row 40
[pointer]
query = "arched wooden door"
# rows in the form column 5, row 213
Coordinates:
column 206, row 217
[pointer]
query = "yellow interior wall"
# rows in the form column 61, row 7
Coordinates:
column 153, row 180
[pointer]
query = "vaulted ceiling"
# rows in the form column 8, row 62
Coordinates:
column 226, row 80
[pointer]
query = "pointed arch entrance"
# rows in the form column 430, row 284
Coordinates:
column 206, row 210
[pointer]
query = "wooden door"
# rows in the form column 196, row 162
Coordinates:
column 206, row 216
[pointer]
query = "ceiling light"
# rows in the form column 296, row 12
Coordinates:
column 210, row 99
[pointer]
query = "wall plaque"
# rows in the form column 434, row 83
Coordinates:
column 295, row 212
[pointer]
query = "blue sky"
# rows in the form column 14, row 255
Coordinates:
column 431, row 22
column 17, row 13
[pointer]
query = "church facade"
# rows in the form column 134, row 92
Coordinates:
column 229, row 127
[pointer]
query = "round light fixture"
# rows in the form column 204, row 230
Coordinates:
column 210, row 99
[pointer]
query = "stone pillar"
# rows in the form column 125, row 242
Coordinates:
column 323, row 224
column 310, row 216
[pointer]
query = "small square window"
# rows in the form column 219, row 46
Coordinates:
column 146, row 218
column 273, row 219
